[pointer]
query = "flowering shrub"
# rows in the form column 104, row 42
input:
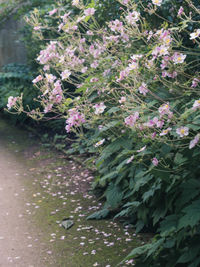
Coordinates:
column 137, row 95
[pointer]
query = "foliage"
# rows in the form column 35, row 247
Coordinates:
column 16, row 79
column 136, row 106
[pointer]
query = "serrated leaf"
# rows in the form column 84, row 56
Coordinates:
column 168, row 225
column 99, row 214
column 113, row 196
column 139, row 226
column 192, row 215
column 151, row 192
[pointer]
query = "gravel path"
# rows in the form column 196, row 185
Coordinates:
column 19, row 245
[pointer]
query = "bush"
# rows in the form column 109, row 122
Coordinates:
column 137, row 102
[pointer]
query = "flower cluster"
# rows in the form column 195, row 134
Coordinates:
column 132, row 72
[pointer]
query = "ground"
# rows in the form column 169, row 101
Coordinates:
column 39, row 188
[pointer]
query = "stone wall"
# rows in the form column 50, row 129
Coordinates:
column 12, row 49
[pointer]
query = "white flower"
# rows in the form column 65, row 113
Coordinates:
column 143, row 89
column 157, row 2
column 133, row 17
column 99, row 143
column 75, row 2
column 50, row 77
column 130, row 159
column 37, row 79
column 99, row 108
column 182, row 131
column 141, row 149
column 196, row 104
column 178, row 58
column 195, row 34
column 89, row 11
column 164, row 132
column 65, row 74
column 11, row 102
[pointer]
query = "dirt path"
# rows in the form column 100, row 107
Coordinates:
column 38, row 189
column 18, row 247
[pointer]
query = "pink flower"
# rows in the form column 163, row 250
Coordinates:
column 90, row 33
column 153, row 135
column 182, row 131
column 194, row 142
column 155, row 161
column 195, row 82
column 89, row 11
column 180, row 11
column 11, row 102
column 125, row 2
column 164, row 109
column 141, row 149
column 133, row 17
column 52, row 12
column 122, row 99
column 75, row 119
column 130, row 159
column 36, row 28
column 84, row 69
column 99, row 108
column 178, row 58
column 143, row 89
column 131, row 120
column 65, row 74
column 50, row 78
column 123, row 74
column 116, row 25
column 95, row 64
column 48, row 108
column 37, row 79
column 160, row 50
column 196, row 104
column 166, row 131
column 57, row 88
column 46, row 67
column 93, row 80
column 133, row 65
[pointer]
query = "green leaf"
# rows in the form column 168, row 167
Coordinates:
column 189, row 255
column 109, row 125
column 108, row 176
column 113, row 110
column 138, row 251
column 99, row 214
column 139, row 226
column 192, row 215
column 190, row 189
column 168, row 225
column 179, row 159
column 113, row 195
column 151, row 192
